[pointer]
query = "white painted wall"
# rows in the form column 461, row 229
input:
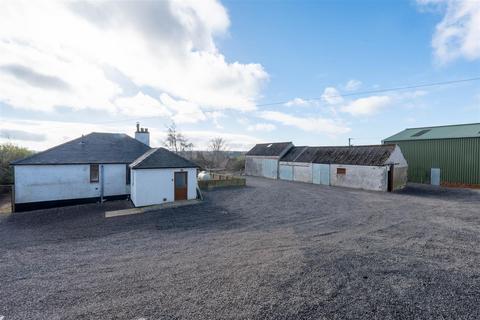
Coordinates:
column 397, row 158
column 302, row 172
column 152, row 186
column 360, row 177
column 115, row 182
column 143, row 137
column 37, row 183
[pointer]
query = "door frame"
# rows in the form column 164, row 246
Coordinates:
column 175, row 185
column 390, row 179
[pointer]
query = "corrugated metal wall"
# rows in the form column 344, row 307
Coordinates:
column 458, row 159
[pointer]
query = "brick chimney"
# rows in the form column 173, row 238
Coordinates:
column 142, row 135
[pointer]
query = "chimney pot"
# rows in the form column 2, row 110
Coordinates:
column 142, row 135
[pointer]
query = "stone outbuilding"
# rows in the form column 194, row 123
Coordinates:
column 374, row 167
column 262, row 160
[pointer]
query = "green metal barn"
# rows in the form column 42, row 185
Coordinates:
column 453, row 152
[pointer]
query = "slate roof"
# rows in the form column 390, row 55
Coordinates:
column 269, row 149
column 95, row 147
column 374, row 155
column 470, row 130
column 161, row 158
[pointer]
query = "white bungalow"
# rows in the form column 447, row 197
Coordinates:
column 96, row 167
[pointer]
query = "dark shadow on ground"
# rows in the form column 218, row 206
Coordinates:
column 456, row 194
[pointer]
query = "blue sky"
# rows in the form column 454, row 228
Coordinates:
column 211, row 66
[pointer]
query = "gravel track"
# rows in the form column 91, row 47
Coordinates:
column 272, row 250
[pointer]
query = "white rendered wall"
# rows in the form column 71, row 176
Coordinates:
column 143, row 137
column 115, row 180
column 155, row 186
column 360, row 177
column 397, row 158
column 302, row 172
column 62, row 182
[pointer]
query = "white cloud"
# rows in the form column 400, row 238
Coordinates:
column 58, row 58
column 411, row 94
column 266, row 127
column 353, row 85
column 332, row 96
column 458, row 34
column 185, row 111
column 216, row 116
column 297, row 102
column 141, row 105
column 310, row 124
column 366, row 106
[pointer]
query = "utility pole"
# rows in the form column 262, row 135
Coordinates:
column 350, row 142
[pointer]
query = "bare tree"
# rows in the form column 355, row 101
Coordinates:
column 218, row 144
column 217, row 147
column 176, row 141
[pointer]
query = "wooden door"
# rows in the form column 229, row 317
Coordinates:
column 181, row 185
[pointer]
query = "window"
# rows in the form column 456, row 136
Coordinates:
column 341, row 171
column 127, row 175
column 94, row 173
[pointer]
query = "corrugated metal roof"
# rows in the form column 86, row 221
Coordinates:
column 270, row 149
column 442, row 132
column 374, row 155
column 308, row 155
column 96, row 147
column 161, row 158
column 293, row 153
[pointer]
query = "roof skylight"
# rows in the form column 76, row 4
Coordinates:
column 420, row 133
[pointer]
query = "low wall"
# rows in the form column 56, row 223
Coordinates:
column 221, row 181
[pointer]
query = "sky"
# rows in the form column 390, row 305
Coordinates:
column 247, row 71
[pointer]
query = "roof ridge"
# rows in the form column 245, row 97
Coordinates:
column 275, row 142
column 445, row 125
column 144, row 156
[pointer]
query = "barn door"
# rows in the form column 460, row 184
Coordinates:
column 180, row 185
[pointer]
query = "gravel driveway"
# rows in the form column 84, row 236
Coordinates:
column 272, row 250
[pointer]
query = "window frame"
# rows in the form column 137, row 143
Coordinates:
column 92, row 177
column 341, row 171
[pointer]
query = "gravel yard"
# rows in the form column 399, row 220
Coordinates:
column 272, row 250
